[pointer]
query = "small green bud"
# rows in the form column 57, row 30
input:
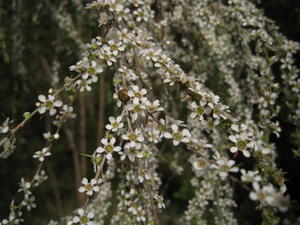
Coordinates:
column 26, row 115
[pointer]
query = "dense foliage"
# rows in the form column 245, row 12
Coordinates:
column 196, row 94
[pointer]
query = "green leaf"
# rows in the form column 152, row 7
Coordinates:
column 86, row 155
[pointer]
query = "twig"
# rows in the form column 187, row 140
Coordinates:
column 100, row 168
column 21, row 124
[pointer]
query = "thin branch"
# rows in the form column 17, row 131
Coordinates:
column 99, row 171
column 22, row 123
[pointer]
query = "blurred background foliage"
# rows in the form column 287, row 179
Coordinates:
column 31, row 42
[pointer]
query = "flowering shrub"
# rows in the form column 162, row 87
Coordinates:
column 168, row 58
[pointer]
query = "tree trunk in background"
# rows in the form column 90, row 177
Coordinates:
column 55, row 189
column 82, row 133
column 101, row 110
column 76, row 163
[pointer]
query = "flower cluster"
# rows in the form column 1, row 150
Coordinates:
column 161, row 94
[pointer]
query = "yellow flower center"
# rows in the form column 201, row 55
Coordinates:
column 109, row 148
column 224, row 168
column 177, row 136
column 132, row 137
column 241, row 145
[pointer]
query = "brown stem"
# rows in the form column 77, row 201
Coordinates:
column 99, row 171
column 153, row 207
column 152, row 204
column 240, row 183
column 22, row 123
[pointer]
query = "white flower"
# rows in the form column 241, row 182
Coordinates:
column 67, row 111
column 47, row 135
column 48, row 104
column 124, row 35
column 211, row 99
column 275, row 128
column 4, row 127
column 200, row 164
column 14, row 216
column 92, row 70
column 137, row 107
column 250, row 176
column 141, row 14
column 161, row 126
column 85, row 85
column 140, row 215
column 281, row 202
column 115, row 123
column 225, row 166
column 178, row 136
column 107, row 55
column 143, row 175
column 89, row 187
column 129, row 74
column 153, row 135
column 42, row 154
column 153, row 106
column 122, row 13
column 25, row 186
column 132, row 150
column 242, row 139
column 28, row 202
column 218, row 111
column 160, row 201
column 39, row 178
column 136, row 3
column 137, row 93
column 83, row 218
column 199, row 110
column 134, row 137
column 113, row 47
column 265, row 194
column 108, row 147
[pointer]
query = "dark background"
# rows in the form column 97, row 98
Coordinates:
column 286, row 14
